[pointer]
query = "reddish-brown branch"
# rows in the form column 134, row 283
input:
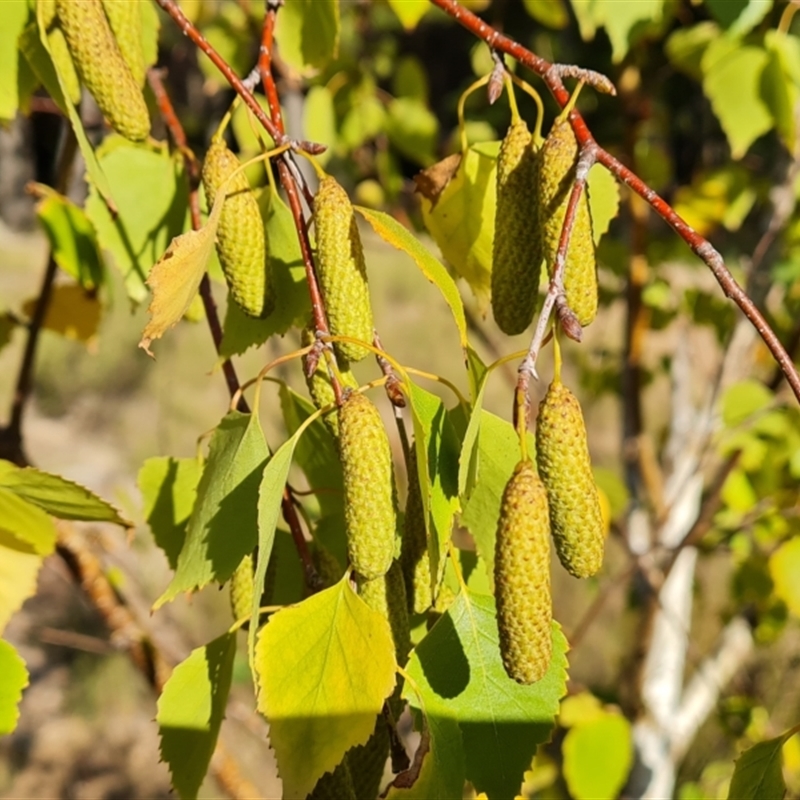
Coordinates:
column 265, row 64
column 552, row 76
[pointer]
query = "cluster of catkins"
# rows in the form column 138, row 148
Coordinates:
column 99, row 43
column 557, row 496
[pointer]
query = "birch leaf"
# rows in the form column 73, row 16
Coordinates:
column 176, row 276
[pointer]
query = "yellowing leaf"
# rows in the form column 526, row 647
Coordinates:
column 784, row 568
column 72, row 311
column 409, row 12
column 603, row 193
column 322, row 690
column 458, row 206
column 176, row 276
column 15, row 679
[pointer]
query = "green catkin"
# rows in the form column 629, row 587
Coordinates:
column 369, row 489
column 319, row 384
column 387, row 595
column 517, row 246
column 125, row 18
column 102, row 68
column 241, row 241
column 336, row 785
column 522, row 577
column 326, row 564
column 341, row 269
column 414, row 555
column 562, row 455
column 241, row 591
column 558, row 158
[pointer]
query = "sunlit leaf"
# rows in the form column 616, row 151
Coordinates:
column 319, row 120
column 308, row 31
column 622, row 19
column 784, row 569
column 742, row 400
column 321, row 691
column 24, row 526
column 14, row 679
column 15, row 16
column 410, row 12
column 458, row 669
column 738, row 16
column 458, row 199
column 176, row 276
column 71, row 312
column 552, row 13
column 222, row 527
column 191, row 709
column 603, row 199
column 19, row 568
column 391, row 231
column 169, row 490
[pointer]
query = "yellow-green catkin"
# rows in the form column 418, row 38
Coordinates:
column 387, row 595
column 336, row 785
column 369, row 488
column 102, row 68
column 241, row 589
column 241, row 240
column 558, row 158
column 328, row 568
column 517, row 246
column 125, row 18
column 414, row 555
column 319, row 384
column 59, row 52
column 341, row 269
column 562, row 455
column 522, row 577
column 368, row 761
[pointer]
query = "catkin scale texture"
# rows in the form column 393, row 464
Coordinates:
column 414, row 555
column 102, row 68
column 562, row 455
column 369, row 489
column 241, row 241
column 517, row 245
column 387, row 595
column 341, row 269
column 558, row 157
column 522, row 577
column 125, row 18
column 242, row 589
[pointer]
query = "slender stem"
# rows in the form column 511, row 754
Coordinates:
column 552, row 75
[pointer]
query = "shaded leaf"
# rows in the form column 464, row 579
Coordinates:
column 458, row 669
column 176, row 276
column 458, row 202
column 413, row 129
column 757, row 774
column 15, row 679
column 308, row 31
column 391, row 231
column 322, row 691
column 169, row 490
column 738, row 16
column 19, row 568
column 71, row 312
column 191, row 709
column 57, row 496
column 222, row 527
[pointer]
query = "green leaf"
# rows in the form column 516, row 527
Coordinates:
column 14, row 679
column 24, row 526
column 222, row 527
column 152, row 200
column 623, row 20
column 468, row 459
column 169, row 490
column 458, row 203
column 440, row 775
column 779, row 82
column 409, row 12
column 308, row 31
column 784, row 567
column 742, row 400
column 191, row 709
column 293, row 306
column 57, row 496
column 732, row 83
column 437, row 461
column 603, row 199
column 597, row 756
column 413, row 129
column 738, row 16
column 685, row 47
column 552, row 13
column 757, row 774
column 391, row 231
column 151, row 24
column 321, row 691
column 72, row 239
column 316, row 453
column 738, row 492
column 319, row 120
column 270, row 495
column 498, row 454
column 458, row 670
column 15, row 16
